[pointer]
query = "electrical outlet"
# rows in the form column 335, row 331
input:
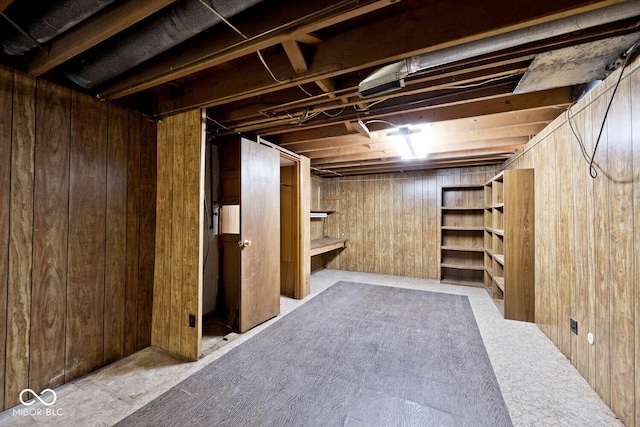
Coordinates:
column 192, row 320
column 574, row 325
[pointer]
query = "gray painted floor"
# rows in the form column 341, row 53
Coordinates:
column 357, row 354
column 539, row 385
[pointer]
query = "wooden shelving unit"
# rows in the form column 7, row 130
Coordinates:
column 509, row 242
column 462, row 228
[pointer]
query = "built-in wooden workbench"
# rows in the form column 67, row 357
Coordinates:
column 326, row 244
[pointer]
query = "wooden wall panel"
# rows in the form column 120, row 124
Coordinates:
column 587, row 246
column 178, row 272
column 116, row 234
column 132, row 226
column 20, row 237
column 6, row 100
column 87, row 214
column 602, row 383
column 621, row 252
column 50, row 230
column 391, row 220
column 305, row 228
column 147, row 230
column 635, row 138
column 62, row 194
column 193, row 214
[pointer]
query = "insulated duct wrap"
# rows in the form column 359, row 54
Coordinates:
column 160, row 33
column 58, row 18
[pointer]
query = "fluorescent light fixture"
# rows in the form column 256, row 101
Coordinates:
column 411, row 141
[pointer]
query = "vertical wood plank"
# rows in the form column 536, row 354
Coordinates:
column 368, row 224
column 305, row 228
column 417, row 227
column 603, row 278
column 385, row 231
column 50, row 231
column 116, row 234
column 408, row 232
column 20, row 238
column 564, row 244
column 133, row 235
column 620, row 192
column 635, row 123
column 161, row 280
column 193, row 233
column 433, row 220
column 579, row 232
column 398, row 248
column 6, row 95
column 177, row 233
column 87, row 212
column 146, row 253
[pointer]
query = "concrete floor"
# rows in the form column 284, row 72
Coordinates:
column 539, row 385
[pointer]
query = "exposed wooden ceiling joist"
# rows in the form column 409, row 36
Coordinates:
column 4, row 4
column 271, row 29
column 469, row 21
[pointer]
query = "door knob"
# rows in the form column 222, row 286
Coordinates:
column 244, row 243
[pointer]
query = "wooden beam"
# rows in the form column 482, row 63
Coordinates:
column 433, row 147
column 466, row 21
column 409, row 167
column 295, row 55
column 93, row 31
column 328, row 86
column 4, row 4
column 309, row 38
column 358, row 126
column 442, row 154
column 444, row 121
column 397, row 105
column 290, row 20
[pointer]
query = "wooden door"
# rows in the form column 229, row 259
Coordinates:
column 259, row 233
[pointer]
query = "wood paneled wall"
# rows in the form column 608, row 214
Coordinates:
column 391, row 221
column 77, row 219
column 588, row 239
column 179, row 231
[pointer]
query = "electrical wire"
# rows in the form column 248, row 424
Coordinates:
column 302, row 89
column 484, row 82
column 583, row 150
column 219, row 124
column 333, row 115
column 593, row 172
column 355, row 107
column 381, row 121
column 230, row 25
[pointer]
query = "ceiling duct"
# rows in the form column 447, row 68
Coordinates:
column 382, row 80
column 56, row 19
column 156, row 35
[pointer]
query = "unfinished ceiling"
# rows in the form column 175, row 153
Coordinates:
column 289, row 71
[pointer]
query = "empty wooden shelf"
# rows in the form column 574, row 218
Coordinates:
column 326, row 244
column 509, row 242
column 462, row 228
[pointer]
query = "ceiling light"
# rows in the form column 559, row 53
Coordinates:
column 411, row 141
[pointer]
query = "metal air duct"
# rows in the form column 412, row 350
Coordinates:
column 114, row 57
column 56, row 19
column 368, row 87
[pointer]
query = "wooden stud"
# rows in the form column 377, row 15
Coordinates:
column 20, row 238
